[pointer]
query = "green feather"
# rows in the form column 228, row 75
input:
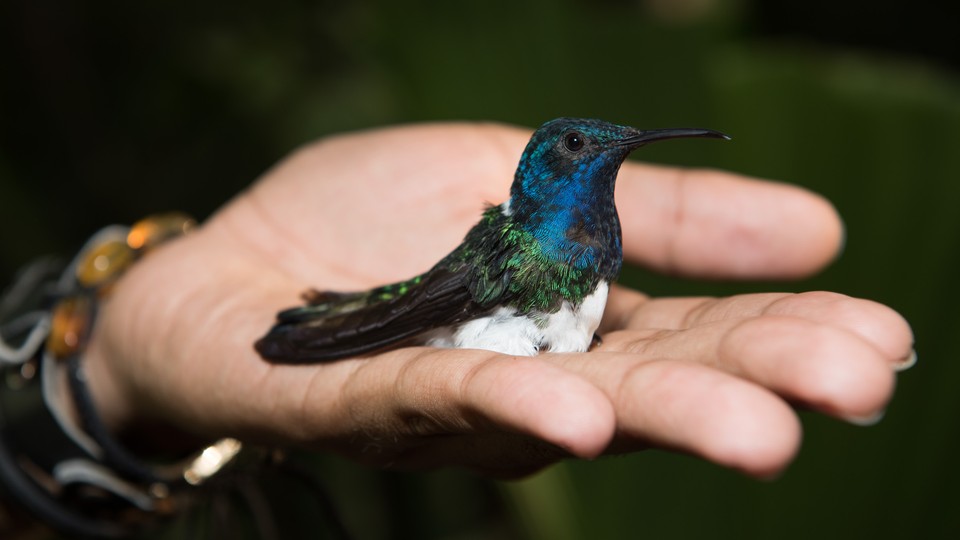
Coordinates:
column 509, row 267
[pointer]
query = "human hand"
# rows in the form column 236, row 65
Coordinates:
column 712, row 377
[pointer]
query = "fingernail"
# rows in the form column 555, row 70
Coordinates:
column 866, row 421
column 907, row 362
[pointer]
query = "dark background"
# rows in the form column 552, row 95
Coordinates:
column 113, row 110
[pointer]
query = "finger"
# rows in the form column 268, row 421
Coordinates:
column 721, row 225
column 819, row 365
column 827, row 350
column 878, row 325
column 403, row 398
column 692, row 408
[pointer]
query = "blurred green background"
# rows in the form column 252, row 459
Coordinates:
column 112, row 110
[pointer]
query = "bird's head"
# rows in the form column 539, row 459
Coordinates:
column 582, row 155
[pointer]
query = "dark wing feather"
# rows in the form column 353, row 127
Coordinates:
column 469, row 282
column 358, row 323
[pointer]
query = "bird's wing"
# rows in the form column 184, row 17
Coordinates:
column 469, row 282
column 339, row 325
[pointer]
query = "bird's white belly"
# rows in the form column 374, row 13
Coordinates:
column 568, row 330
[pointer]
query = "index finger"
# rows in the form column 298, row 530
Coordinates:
column 715, row 224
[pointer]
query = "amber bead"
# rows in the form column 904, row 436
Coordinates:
column 68, row 326
column 103, row 262
column 154, row 230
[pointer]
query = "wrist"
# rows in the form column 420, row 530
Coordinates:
column 111, row 402
column 120, row 412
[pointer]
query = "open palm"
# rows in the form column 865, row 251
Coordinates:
column 713, row 377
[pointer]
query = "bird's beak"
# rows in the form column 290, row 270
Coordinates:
column 640, row 138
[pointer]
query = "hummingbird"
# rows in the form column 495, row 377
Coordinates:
column 531, row 276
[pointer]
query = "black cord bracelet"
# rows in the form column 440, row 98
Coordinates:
column 69, row 471
column 79, row 479
column 115, row 454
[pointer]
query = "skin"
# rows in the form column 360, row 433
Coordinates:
column 713, row 377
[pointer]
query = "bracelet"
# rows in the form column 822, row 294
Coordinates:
column 76, row 477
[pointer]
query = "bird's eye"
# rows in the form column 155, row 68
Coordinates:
column 573, row 141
